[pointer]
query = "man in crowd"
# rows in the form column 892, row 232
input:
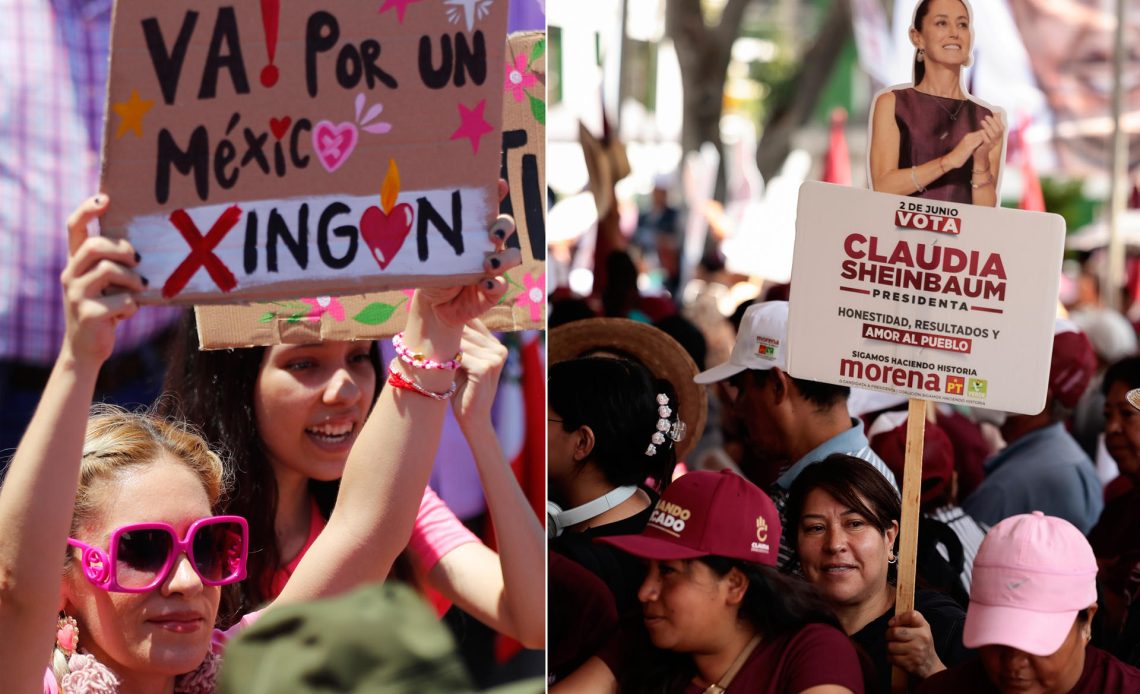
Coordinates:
column 1043, row 468
column 790, row 422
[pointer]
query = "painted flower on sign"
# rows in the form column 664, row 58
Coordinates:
column 320, row 305
column 534, row 296
column 519, row 78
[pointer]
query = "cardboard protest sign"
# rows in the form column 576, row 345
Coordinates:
column 374, row 315
column 935, row 301
column 265, row 150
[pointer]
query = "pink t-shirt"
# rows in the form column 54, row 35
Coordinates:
column 436, row 532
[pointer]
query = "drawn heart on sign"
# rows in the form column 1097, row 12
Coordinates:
column 385, row 233
column 333, row 143
column 280, row 126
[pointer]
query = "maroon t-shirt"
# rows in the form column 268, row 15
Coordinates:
column 1102, row 674
column 817, row 654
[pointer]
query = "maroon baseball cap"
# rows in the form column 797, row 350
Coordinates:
column 888, row 439
column 1072, row 365
column 706, row 513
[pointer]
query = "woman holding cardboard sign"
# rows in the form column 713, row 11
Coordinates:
column 129, row 501
column 289, row 415
column 931, row 140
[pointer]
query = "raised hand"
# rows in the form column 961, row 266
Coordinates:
column 455, row 306
column 99, row 283
column 478, row 378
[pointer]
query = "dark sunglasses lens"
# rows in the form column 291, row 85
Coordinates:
column 140, row 555
column 219, row 549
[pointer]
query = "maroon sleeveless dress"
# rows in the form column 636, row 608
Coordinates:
column 931, row 126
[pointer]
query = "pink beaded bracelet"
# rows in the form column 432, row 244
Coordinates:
column 419, row 361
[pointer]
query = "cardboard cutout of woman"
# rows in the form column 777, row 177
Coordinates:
column 931, row 139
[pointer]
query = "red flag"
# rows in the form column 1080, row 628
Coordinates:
column 837, row 165
column 1032, row 198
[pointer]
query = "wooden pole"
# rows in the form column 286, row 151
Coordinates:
column 908, row 523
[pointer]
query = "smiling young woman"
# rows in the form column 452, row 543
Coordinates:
column 931, row 140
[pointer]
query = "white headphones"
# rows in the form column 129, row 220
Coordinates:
column 558, row 520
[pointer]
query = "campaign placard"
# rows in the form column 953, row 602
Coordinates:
column 946, row 302
column 268, row 150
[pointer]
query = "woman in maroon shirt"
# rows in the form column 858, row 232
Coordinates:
column 931, row 140
column 716, row 614
column 1031, row 606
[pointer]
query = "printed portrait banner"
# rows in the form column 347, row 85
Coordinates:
column 951, row 303
column 273, row 150
column 381, row 314
column 1049, row 64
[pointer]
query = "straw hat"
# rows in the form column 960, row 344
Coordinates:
column 662, row 355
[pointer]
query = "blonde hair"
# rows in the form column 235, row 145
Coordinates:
column 118, row 441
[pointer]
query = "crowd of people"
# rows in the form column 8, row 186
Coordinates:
column 764, row 556
column 1027, row 561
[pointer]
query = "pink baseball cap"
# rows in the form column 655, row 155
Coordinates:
column 706, row 513
column 1032, row 575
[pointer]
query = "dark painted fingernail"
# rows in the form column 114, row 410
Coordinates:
column 146, row 282
column 495, row 263
column 137, row 257
column 488, row 284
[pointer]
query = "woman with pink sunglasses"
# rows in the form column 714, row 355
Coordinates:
column 132, row 502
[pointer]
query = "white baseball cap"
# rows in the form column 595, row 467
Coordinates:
column 761, row 343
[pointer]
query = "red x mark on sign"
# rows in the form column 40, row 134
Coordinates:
column 202, row 251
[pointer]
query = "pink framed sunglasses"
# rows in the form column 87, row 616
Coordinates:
column 141, row 555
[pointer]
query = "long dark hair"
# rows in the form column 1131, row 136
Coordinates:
column 616, row 398
column 214, row 391
column 851, row 481
column 920, row 13
column 774, row 604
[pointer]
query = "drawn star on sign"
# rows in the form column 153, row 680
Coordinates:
column 472, row 126
column 401, row 6
column 131, row 114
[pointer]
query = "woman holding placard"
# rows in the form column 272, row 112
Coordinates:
column 931, row 140
column 846, row 518
column 131, row 503
column 289, row 415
